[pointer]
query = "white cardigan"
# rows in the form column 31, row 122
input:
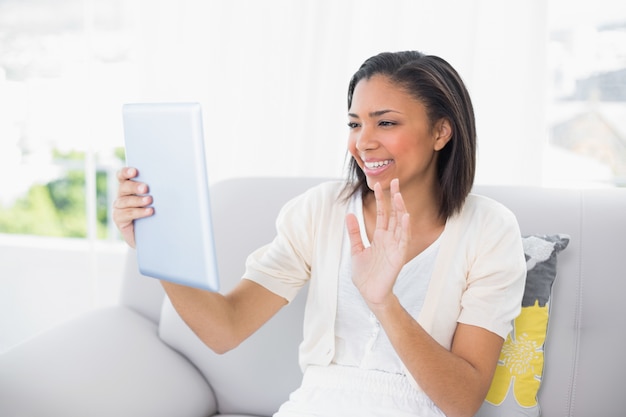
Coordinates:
column 478, row 278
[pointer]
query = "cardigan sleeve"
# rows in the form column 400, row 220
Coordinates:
column 496, row 270
column 284, row 265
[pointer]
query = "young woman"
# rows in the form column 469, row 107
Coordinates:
column 414, row 281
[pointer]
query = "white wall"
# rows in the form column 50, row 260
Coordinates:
column 44, row 282
column 272, row 76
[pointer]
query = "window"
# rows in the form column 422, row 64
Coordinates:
column 66, row 67
column 61, row 78
column 587, row 110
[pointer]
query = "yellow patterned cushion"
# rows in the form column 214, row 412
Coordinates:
column 519, row 372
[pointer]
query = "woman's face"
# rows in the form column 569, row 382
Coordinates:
column 391, row 135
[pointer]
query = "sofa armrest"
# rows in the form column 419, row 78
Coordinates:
column 109, row 362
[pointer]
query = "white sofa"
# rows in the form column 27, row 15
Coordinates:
column 138, row 359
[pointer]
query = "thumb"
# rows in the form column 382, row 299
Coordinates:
column 354, row 233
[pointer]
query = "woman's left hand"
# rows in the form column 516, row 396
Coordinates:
column 375, row 269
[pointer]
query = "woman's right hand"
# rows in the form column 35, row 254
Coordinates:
column 131, row 203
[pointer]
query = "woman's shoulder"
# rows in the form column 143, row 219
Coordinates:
column 484, row 213
column 480, row 205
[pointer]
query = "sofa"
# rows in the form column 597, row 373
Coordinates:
column 139, row 359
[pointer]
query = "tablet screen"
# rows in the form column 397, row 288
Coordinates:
column 165, row 142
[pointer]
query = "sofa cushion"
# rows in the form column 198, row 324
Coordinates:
column 109, row 362
column 513, row 391
column 253, row 379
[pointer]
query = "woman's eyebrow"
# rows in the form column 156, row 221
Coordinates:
column 376, row 113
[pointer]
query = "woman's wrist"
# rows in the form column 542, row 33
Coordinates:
column 386, row 307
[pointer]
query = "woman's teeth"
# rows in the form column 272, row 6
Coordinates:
column 377, row 164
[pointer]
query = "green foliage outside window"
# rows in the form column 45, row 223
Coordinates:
column 58, row 208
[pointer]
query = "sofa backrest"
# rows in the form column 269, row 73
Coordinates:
column 584, row 363
column 142, row 294
column 584, row 360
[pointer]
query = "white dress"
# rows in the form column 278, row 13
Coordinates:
column 366, row 377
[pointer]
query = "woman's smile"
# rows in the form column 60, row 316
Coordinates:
column 376, row 167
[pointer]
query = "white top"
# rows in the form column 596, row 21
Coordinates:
column 478, row 277
column 360, row 341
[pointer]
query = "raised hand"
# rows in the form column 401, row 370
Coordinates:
column 375, row 269
column 131, row 203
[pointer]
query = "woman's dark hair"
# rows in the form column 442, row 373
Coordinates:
column 438, row 86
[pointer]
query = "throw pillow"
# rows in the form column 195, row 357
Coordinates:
column 519, row 372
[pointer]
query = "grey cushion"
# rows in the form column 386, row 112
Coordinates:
column 107, row 363
column 257, row 376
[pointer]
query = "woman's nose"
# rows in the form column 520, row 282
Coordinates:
column 366, row 140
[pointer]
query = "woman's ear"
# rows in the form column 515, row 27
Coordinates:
column 443, row 133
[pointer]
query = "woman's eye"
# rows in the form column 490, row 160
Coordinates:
column 385, row 123
column 353, row 125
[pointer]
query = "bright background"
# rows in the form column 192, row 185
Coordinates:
column 548, row 81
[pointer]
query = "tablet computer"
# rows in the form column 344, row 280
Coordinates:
column 165, row 143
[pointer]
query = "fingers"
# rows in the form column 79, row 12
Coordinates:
column 129, row 205
column 124, row 217
column 126, row 173
column 128, row 186
column 131, row 195
column 399, row 209
column 402, row 230
column 397, row 202
column 382, row 221
column 354, row 233
column 131, row 202
column 389, row 214
column 394, row 187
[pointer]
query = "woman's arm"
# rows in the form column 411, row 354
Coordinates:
column 457, row 380
column 221, row 321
